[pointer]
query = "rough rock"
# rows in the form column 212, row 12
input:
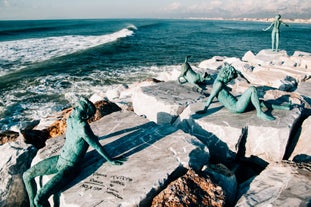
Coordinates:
column 163, row 102
column 280, row 184
column 190, row 190
column 226, row 179
column 221, row 129
column 15, row 159
column 155, row 154
column 103, row 108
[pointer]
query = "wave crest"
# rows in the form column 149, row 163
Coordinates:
column 18, row 53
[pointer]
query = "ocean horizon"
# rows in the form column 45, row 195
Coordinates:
column 46, row 64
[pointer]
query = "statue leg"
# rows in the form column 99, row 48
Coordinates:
column 273, row 39
column 277, row 41
column 54, row 185
column 250, row 95
column 45, row 167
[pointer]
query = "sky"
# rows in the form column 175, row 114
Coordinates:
column 72, row 9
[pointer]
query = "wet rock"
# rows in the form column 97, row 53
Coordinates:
column 8, row 136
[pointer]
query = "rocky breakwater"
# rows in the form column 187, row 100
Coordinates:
column 175, row 156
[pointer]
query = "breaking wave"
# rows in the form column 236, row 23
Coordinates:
column 17, row 54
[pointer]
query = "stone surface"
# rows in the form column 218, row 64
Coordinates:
column 163, row 102
column 303, row 146
column 280, row 184
column 190, row 190
column 154, row 153
column 213, row 63
column 221, row 129
column 15, row 159
column 304, row 90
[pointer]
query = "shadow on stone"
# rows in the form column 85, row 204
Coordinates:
column 138, row 139
column 295, row 134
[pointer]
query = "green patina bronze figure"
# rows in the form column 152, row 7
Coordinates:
column 189, row 75
column 222, row 93
column 79, row 136
column 275, row 35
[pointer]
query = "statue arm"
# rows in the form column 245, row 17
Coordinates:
column 285, row 24
column 182, row 74
column 269, row 27
column 93, row 141
column 217, row 86
column 242, row 76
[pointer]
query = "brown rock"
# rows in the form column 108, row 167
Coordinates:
column 35, row 137
column 190, row 190
column 58, row 127
column 103, row 108
column 8, row 136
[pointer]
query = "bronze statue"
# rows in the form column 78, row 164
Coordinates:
column 189, row 75
column 79, row 136
column 275, row 35
column 222, row 93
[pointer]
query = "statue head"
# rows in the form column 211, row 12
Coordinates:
column 187, row 58
column 84, row 109
column 277, row 17
column 227, row 73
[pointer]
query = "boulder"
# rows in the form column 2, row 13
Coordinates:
column 221, row 130
column 271, row 57
column 304, row 90
column 280, row 184
column 213, row 63
column 163, row 102
column 190, row 190
column 302, row 145
column 155, row 155
column 303, row 59
column 15, row 160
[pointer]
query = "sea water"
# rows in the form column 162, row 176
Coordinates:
column 46, row 64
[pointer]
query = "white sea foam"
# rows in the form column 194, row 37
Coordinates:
column 16, row 54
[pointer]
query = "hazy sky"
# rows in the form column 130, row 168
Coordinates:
column 55, row 9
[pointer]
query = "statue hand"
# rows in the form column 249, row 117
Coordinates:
column 118, row 161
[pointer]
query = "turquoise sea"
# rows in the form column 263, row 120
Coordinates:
column 45, row 63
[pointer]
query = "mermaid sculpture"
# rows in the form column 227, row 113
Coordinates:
column 79, row 136
column 222, row 93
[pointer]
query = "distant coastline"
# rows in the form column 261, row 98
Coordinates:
column 302, row 21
